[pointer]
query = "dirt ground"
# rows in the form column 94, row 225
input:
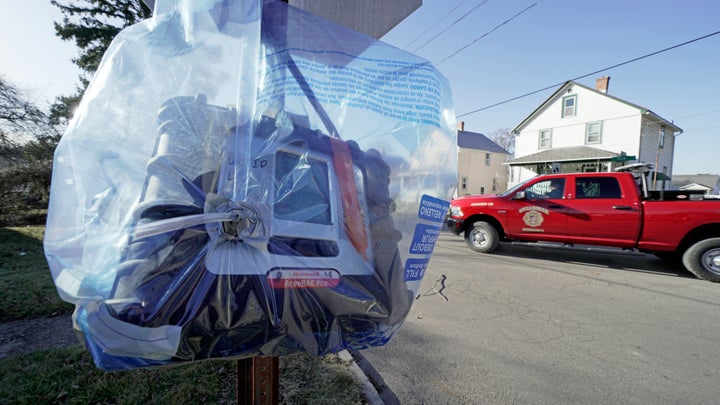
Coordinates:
column 20, row 337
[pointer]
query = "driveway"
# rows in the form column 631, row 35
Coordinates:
column 528, row 325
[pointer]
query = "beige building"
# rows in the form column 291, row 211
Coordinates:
column 481, row 168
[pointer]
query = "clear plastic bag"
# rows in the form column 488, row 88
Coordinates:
column 244, row 178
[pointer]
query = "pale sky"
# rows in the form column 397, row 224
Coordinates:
column 558, row 40
column 512, row 47
column 33, row 58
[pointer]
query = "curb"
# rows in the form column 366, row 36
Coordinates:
column 372, row 381
column 371, row 394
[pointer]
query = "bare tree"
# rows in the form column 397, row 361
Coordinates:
column 504, row 139
column 27, row 143
column 20, row 121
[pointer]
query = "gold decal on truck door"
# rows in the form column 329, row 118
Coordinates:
column 533, row 217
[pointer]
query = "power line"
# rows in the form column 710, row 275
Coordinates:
column 491, row 31
column 698, row 114
column 696, row 130
column 436, row 23
column 450, row 26
column 591, row 73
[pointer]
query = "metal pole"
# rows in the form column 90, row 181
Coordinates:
column 258, row 381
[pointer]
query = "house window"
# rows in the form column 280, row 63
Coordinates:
column 487, row 159
column 482, row 190
column 593, row 132
column 545, row 140
column 463, row 183
column 569, row 106
column 662, row 136
column 494, row 185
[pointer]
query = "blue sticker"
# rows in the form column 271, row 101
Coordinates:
column 415, row 269
column 433, row 209
column 424, row 238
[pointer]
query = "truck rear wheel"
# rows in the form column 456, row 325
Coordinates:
column 482, row 237
column 703, row 259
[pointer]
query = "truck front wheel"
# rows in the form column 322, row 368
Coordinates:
column 483, row 237
column 703, row 259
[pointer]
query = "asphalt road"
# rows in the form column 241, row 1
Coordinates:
column 530, row 325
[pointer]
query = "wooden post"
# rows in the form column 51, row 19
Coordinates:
column 258, row 381
column 258, row 378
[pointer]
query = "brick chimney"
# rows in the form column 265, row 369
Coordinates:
column 602, row 83
column 461, row 126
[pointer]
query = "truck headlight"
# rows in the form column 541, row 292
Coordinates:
column 456, row 212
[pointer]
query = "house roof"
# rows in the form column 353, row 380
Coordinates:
column 475, row 140
column 705, row 180
column 569, row 154
column 562, row 89
column 695, row 186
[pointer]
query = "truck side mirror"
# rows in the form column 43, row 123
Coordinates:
column 520, row 195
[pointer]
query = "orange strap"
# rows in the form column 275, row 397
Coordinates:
column 353, row 218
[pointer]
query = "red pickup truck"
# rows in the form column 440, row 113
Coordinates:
column 606, row 209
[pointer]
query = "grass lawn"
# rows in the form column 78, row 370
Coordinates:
column 27, row 287
column 69, row 376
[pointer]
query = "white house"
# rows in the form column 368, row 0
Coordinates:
column 579, row 129
column 481, row 168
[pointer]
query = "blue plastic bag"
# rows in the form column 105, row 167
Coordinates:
column 245, row 178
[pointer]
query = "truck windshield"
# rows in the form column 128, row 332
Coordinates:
column 515, row 188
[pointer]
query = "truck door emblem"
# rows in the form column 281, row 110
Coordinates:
column 533, row 215
column 533, row 218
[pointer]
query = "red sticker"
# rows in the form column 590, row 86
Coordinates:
column 303, row 278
